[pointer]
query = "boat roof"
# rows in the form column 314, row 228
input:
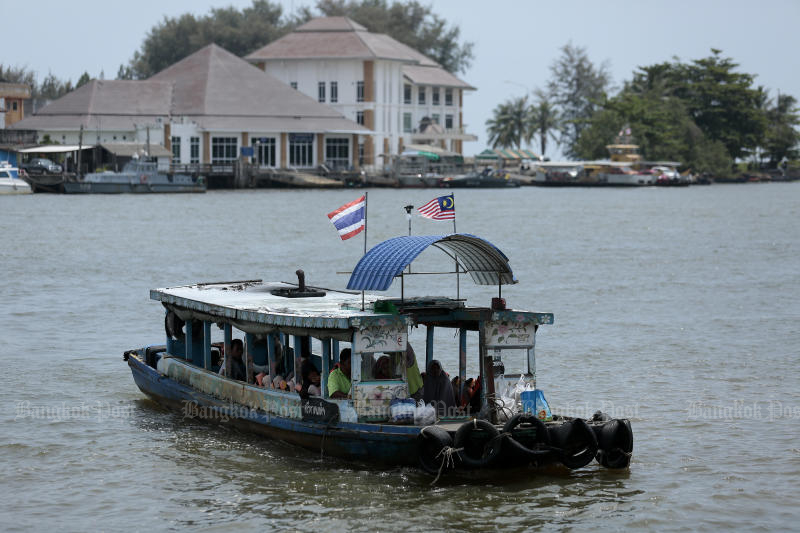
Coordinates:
column 484, row 261
column 661, row 163
column 253, row 301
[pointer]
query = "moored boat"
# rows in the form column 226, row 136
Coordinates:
column 10, row 182
column 374, row 419
column 137, row 176
column 486, row 179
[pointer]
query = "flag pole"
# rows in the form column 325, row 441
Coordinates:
column 408, row 209
column 366, row 203
column 458, row 276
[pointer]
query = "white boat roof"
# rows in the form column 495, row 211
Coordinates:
column 558, row 164
column 253, row 301
column 608, row 163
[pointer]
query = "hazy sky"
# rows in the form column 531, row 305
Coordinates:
column 515, row 41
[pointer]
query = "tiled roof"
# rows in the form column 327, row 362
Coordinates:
column 424, row 75
column 337, row 37
column 212, row 81
column 331, row 24
column 211, row 87
column 114, row 97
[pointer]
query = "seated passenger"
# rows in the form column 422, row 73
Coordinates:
column 412, row 373
column 238, row 370
column 438, row 390
column 383, row 368
column 339, row 378
column 475, row 396
column 311, row 380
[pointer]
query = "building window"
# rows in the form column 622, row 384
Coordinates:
column 435, row 96
column 360, row 117
column 337, row 153
column 264, row 151
column 301, row 149
column 448, row 122
column 321, row 91
column 421, row 96
column 407, row 122
column 448, row 97
column 406, row 94
column 360, row 154
column 435, row 118
column 223, row 150
column 176, row 150
column 334, row 92
column 194, row 150
column 359, row 91
column 14, row 106
column 293, row 85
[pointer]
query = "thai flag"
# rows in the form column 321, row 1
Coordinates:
column 349, row 219
column 441, row 208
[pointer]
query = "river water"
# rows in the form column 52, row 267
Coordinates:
column 677, row 308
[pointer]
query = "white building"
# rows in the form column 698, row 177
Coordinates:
column 204, row 110
column 373, row 80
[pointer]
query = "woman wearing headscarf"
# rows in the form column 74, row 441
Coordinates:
column 413, row 374
column 438, row 390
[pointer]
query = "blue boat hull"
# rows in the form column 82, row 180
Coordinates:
column 395, row 445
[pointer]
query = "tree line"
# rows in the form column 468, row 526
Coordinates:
column 704, row 113
column 244, row 31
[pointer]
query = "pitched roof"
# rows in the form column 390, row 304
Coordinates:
column 331, row 24
column 424, row 75
column 213, row 87
column 337, row 37
column 213, row 81
column 114, row 97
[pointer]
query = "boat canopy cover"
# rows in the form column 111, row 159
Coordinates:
column 486, row 264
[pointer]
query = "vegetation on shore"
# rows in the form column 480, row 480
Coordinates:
column 703, row 113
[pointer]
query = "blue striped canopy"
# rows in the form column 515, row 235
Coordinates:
column 486, row 264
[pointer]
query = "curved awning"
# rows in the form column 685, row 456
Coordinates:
column 484, row 262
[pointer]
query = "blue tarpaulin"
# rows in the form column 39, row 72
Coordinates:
column 484, row 262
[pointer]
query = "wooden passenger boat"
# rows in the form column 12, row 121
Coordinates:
column 182, row 373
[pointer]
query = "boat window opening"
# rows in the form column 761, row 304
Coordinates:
column 382, row 366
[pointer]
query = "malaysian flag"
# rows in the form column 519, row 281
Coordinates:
column 349, row 219
column 441, row 208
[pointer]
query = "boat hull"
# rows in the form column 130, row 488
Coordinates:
column 14, row 186
column 77, row 187
column 385, row 444
column 395, row 445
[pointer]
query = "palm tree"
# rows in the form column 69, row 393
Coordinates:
column 510, row 124
column 544, row 120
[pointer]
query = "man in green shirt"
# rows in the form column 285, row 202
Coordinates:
column 339, row 379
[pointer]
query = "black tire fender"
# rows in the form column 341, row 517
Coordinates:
column 615, row 440
column 431, row 441
column 542, row 437
column 576, row 443
column 491, row 449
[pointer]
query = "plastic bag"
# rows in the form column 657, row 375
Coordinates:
column 506, row 408
column 424, row 415
column 542, row 409
column 533, row 401
column 347, row 413
column 401, row 411
column 519, row 388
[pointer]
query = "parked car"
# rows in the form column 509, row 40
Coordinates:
column 39, row 165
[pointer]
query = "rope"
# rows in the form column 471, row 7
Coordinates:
column 447, row 460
